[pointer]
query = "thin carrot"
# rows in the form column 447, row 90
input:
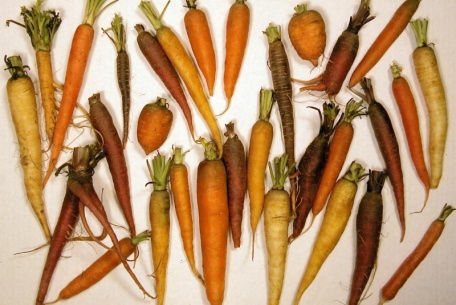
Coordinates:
column 277, row 212
column 257, row 159
column 22, row 104
column 157, row 59
column 178, row 179
column 414, row 259
column 395, row 26
column 212, row 196
column 76, row 66
column 236, row 171
column 337, row 153
column 123, row 70
column 335, row 220
column 368, row 227
column 433, row 91
column 410, row 120
column 42, row 26
column 159, row 205
column 186, row 69
column 199, row 36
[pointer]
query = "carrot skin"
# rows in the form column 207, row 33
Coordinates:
column 123, row 80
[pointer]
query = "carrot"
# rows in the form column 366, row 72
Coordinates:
column 123, row 70
column 280, row 73
column 154, row 125
column 257, row 159
column 414, row 259
column 199, row 36
column 431, row 85
column 101, row 267
column 76, row 66
column 178, row 178
column 112, row 146
column 337, row 153
column 388, row 145
column 236, row 172
column 342, row 55
column 42, row 26
column 237, row 34
column 159, row 205
column 311, row 166
column 212, row 197
column 335, row 220
column 368, row 227
column 22, row 103
column 395, row 26
column 186, row 69
column 410, row 120
column 307, row 32
column 157, row 59
column 277, row 212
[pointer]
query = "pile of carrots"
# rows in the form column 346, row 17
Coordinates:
column 236, row 172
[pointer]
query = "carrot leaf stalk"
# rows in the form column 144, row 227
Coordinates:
column 159, row 172
column 93, row 9
column 280, row 172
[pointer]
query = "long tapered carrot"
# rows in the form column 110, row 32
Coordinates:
column 237, row 32
column 410, row 120
column 81, row 46
column 385, row 39
column 186, row 69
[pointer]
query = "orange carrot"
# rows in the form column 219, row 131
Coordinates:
column 77, row 62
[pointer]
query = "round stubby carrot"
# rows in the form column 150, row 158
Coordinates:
column 342, row 56
column 388, row 145
column 237, row 33
column 159, row 206
column 123, row 71
column 212, row 197
column 199, row 36
column 101, row 267
column 414, row 259
column 42, row 27
column 307, row 32
column 81, row 46
column 337, row 153
column 102, row 121
column 431, row 85
column 187, row 70
column 335, row 220
column 157, row 59
column 311, row 166
column 395, row 26
column 410, row 120
column 277, row 213
column 368, row 227
column 180, row 189
column 154, row 124
column 236, row 171
column 257, row 159
column 22, row 104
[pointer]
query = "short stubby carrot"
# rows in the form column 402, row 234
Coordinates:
column 23, row 107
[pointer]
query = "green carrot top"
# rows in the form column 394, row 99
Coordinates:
column 210, row 149
column 140, row 237
column 355, row 173
column 159, row 171
column 273, row 33
column 353, row 109
column 396, row 70
column 280, row 172
column 266, row 101
column 149, row 11
column 419, row 27
column 93, row 9
column 446, row 211
column 118, row 30
column 191, row 4
column 178, row 155
column 300, row 8
column 15, row 67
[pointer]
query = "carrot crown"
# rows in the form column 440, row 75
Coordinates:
column 148, row 10
column 446, row 211
column 273, row 33
column 159, row 171
column 15, row 67
column 280, row 172
column 355, row 173
column 191, row 4
column 118, row 30
column 419, row 27
column 368, row 96
column 93, row 9
column 353, row 109
column 300, row 8
column 178, row 155
column 230, row 134
column 83, row 162
column 330, row 112
column 361, row 17
column 396, row 70
column 266, row 101
column 376, row 181
column 210, row 149
column 140, row 237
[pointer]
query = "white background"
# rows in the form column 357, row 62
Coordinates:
column 432, row 283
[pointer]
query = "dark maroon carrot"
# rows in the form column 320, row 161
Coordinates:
column 156, row 57
column 310, row 168
column 342, row 56
column 368, row 227
column 236, row 172
column 389, row 147
column 112, row 146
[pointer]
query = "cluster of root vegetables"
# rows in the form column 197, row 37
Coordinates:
column 232, row 174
